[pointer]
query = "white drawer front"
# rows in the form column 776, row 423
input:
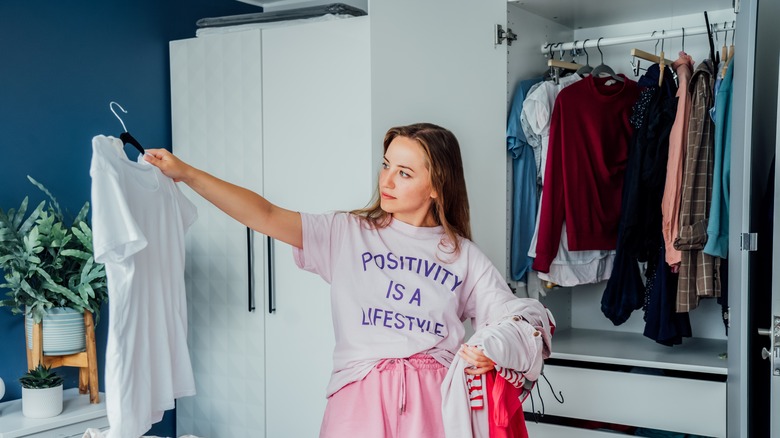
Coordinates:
column 541, row 430
column 658, row 402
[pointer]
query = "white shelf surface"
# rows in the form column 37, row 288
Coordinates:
column 76, row 409
column 633, row 349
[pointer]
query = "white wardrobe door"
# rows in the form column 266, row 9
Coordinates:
column 318, row 157
column 217, row 120
column 435, row 61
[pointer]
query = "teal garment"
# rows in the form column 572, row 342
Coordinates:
column 523, row 187
column 718, row 226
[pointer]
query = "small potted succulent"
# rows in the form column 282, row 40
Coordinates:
column 41, row 393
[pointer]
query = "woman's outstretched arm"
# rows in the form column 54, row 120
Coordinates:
column 241, row 204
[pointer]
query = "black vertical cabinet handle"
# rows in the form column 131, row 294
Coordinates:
column 271, row 291
column 250, row 262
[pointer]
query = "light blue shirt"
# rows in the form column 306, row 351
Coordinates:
column 524, row 185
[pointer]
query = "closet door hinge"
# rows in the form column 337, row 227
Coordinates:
column 748, row 241
column 735, row 4
column 501, row 35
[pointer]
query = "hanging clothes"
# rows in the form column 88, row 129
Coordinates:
column 589, row 135
column 670, row 204
column 569, row 268
column 641, row 210
column 699, row 272
column 534, row 140
column 139, row 221
column 640, row 238
column 718, row 226
column 524, row 194
column 663, row 323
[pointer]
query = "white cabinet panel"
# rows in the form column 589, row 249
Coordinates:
column 217, row 123
column 317, row 150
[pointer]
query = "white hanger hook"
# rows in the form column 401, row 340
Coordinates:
column 111, row 106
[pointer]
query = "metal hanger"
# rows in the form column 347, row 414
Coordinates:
column 603, row 68
column 585, row 69
column 125, row 136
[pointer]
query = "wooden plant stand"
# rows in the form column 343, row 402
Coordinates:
column 85, row 361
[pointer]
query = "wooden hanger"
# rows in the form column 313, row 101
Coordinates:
column 655, row 59
column 563, row 64
column 729, row 56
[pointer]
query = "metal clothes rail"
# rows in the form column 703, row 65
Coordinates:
column 656, row 35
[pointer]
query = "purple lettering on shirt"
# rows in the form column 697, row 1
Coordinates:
column 366, row 256
column 394, row 320
column 392, row 262
column 399, row 320
column 446, row 275
column 429, row 268
column 399, row 291
column 388, row 317
column 458, row 282
column 411, row 321
column 416, row 297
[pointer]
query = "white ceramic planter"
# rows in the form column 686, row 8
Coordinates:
column 63, row 331
column 42, row 403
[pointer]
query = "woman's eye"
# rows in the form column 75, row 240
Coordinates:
column 403, row 174
column 385, row 166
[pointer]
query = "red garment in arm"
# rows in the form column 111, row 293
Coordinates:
column 586, row 160
column 505, row 409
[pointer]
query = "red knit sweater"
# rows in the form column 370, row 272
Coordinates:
column 586, row 160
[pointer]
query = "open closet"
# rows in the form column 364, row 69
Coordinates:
column 612, row 377
column 298, row 114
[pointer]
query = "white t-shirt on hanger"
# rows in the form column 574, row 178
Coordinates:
column 139, row 218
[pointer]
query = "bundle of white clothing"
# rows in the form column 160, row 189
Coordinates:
column 518, row 339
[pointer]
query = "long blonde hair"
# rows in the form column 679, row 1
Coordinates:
column 450, row 208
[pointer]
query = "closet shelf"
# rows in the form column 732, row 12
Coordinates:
column 633, row 349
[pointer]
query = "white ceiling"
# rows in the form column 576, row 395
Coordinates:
column 593, row 13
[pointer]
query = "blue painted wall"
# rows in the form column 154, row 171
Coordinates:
column 61, row 63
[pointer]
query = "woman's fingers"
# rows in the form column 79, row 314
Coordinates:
column 480, row 363
column 168, row 164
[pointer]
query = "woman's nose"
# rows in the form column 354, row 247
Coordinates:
column 386, row 179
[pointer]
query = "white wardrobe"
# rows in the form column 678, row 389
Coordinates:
column 257, row 108
column 298, row 114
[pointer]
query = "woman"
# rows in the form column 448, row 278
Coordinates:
column 404, row 274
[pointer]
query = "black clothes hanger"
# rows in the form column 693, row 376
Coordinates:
column 709, row 37
column 125, row 136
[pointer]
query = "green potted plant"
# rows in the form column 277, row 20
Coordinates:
column 41, row 393
column 49, row 269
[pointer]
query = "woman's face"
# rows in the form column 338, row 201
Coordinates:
column 405, row 183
